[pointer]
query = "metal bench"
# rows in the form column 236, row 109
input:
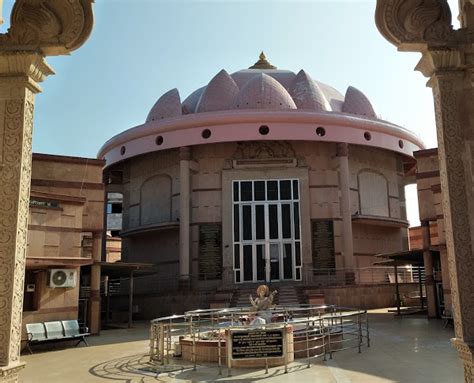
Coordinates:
column 55, row 331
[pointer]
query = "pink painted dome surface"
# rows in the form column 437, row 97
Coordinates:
column 168, row 105
column 357, row 102
column 307, row 94
column 261, row 88
column 219, row 94
column 263, row 92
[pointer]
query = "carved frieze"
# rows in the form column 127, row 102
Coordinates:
column 264, row 150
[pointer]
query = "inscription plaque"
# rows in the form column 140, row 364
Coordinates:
column 210, row 251
column 322, row 233
column 257, row 344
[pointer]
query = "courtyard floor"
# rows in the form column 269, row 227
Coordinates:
column 408, row 349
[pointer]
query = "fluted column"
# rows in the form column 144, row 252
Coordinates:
column 184, row 213
column 428, row 263
column 347, row 239
column 19, row 77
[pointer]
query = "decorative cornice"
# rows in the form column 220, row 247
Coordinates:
column 50, row 27
column 415, row 24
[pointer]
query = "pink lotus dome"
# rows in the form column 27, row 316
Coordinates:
column 263, row 86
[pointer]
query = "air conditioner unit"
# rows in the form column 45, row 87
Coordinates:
column 62, row 278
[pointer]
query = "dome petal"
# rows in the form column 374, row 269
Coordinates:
column 357, row 102
column 219, row 94
column 168, row 105
column 264, row 92
column 307, row 94
column 191, row 101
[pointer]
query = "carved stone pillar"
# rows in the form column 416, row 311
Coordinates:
column 454, row 141
column 19, row 77
column 344, row 187
column 447, row 60
column 36, row 31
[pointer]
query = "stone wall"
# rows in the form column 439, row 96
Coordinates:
column 314, row 163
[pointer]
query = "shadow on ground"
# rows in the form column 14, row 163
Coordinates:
column 138, row 368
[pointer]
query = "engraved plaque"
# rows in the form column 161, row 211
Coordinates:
column 257, row 344
column 322, row 233
column 210, row 251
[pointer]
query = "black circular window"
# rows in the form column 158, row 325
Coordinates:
column 367, row 136
column 400, row 143
column 320, row 131
column 264, row 130
column 122, row 150
column 159, row 140
column 206, row 133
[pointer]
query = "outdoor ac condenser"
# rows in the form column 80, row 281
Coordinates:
column 62, row 278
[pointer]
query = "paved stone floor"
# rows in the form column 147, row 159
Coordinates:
column 411, row 349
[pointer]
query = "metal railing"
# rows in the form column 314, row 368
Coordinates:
column 365, row 275
column 162, row 284
column 204, row 336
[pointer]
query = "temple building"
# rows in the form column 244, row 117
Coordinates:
column 262, row 175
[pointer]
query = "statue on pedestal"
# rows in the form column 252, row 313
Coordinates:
column 262, row 304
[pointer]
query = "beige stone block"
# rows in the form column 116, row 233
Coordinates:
column 206, row 198
column 324, row 210
column 52, row 238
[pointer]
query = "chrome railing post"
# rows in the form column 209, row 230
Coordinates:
column 162, row 344
column 307, row 344
column 285, row 347
column 194, row 348
column 360, row 331
column 219, row 355
column 367, row 328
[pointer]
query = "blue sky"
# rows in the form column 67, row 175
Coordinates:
column 141, row 48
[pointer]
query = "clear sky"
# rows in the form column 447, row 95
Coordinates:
column 141, row 48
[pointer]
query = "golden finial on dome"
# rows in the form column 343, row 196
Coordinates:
column 262, row 63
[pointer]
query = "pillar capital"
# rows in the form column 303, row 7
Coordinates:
column 21, row 71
